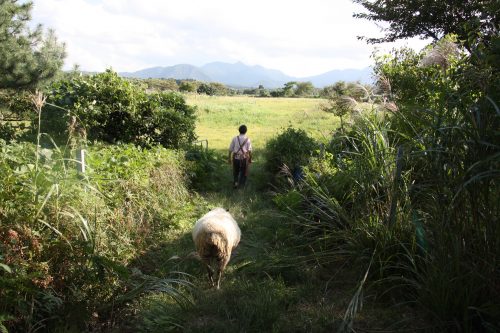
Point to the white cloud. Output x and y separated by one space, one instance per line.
298 37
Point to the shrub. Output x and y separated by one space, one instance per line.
291 148
263 93
7 132
212 89
166 119
105 107
206 89
352 182
188 86
355 90
16 110
17 103
341 106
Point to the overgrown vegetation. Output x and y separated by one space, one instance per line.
108 108
204 163
398 206
67 238
410 193
102 107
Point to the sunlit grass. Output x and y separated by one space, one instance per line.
220 116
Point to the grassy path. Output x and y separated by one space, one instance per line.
262 290
265 289
269 286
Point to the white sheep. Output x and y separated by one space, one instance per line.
215 236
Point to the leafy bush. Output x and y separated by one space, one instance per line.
355 90
341 106
17 103
108 108
206 89
188 86
16 109
166 119
292 148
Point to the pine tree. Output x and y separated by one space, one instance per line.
27 56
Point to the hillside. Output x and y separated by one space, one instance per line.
241 75
180 72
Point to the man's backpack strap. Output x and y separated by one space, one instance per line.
241 145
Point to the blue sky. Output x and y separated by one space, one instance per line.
300 38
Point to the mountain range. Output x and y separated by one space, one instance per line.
240 75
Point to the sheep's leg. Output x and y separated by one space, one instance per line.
222 263
210 274
219 275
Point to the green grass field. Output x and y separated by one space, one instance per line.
220 116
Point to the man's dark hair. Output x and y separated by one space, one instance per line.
242 129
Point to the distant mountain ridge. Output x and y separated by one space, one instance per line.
182 71
241 75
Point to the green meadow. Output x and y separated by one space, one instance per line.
220 116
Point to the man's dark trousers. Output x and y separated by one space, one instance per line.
239 171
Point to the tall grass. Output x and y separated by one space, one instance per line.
423 223
411 195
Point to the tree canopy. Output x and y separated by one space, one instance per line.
432 19
27 56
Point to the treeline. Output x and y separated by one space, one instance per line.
289 89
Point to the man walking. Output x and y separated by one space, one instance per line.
240 153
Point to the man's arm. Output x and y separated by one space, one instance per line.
231 147
249 151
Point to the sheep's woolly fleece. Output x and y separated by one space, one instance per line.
215 236
217 221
